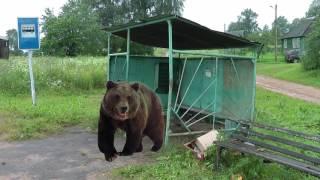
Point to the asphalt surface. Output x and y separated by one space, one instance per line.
71 155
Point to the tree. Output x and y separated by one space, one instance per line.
312 58
75 31
282 24
247 22
12 35
113 12
314 9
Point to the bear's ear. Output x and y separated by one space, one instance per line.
135 86
111 84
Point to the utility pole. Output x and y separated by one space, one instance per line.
276 32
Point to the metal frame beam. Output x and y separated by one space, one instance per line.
128 54
170 56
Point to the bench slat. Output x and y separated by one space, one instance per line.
281 140
283 130
278 149
239 146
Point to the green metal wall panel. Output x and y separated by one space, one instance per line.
142 69
232 81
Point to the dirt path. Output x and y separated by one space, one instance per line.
71 155
299 91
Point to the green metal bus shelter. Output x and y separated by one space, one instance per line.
199 80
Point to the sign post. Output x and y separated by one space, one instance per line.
29 39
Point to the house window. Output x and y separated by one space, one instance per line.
285 44
296 43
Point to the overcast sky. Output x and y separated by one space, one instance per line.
211 13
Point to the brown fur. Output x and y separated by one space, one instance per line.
136 110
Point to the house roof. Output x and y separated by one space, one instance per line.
186 34
299 30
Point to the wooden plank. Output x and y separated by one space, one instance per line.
278 149
302 166
281 140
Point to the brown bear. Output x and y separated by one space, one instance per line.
133 108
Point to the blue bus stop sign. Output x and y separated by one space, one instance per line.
28 33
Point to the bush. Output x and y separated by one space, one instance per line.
312 58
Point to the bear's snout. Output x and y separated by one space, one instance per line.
123 109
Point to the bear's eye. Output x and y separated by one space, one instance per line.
117 96
129 98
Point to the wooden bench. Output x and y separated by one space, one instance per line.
274 144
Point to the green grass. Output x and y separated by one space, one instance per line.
270 58
52 113
290 72
52 73
272 108
68 90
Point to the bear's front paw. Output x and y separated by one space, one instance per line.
110 157
155 148
125 153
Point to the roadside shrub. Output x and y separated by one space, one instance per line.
312 59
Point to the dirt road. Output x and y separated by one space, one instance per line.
298 91
71 155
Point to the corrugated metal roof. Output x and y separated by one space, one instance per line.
299 30
186 34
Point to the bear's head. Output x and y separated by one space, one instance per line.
121 100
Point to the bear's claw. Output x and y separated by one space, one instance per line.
110 158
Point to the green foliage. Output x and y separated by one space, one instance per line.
114 12
75 31
12 35
314 9
247 22
51 73
282 25
312 59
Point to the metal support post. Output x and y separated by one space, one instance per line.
33 91
108 57
128 54
170 55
